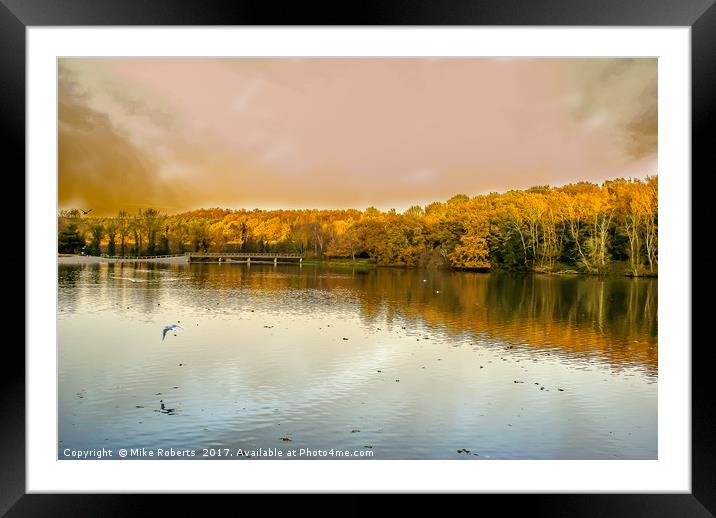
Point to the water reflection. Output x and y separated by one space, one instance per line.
423 363
605 319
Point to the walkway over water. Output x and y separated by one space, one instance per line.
188 257
244 257
99 259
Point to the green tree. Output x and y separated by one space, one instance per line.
70 241
151 223
112 227
97 233
123 230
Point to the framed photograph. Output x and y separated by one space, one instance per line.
422 254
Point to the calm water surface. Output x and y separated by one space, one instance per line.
407 364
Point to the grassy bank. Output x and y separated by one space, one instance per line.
612 269
342 263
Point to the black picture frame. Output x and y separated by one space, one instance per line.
700 15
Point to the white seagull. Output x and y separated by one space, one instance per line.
170 327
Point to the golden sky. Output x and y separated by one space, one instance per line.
181 133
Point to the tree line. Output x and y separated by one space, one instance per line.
612 227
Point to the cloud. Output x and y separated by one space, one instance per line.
179 134
98 165
619 97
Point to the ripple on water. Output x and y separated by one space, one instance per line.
263 356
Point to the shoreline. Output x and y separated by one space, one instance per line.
64 259
91 259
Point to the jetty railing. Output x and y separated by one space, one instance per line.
280 255
139 257
247 257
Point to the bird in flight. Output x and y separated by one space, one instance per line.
85 212
170 327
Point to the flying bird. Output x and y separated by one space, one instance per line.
85 212
170 327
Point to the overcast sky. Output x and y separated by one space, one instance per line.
179 134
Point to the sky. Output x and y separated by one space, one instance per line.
185 133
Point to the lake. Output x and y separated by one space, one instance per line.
379 363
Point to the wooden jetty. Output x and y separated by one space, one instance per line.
244 257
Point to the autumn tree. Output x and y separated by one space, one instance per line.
346 244
97 233
111 226
473 250
123 231
198 230
151 222
582 226
651 221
